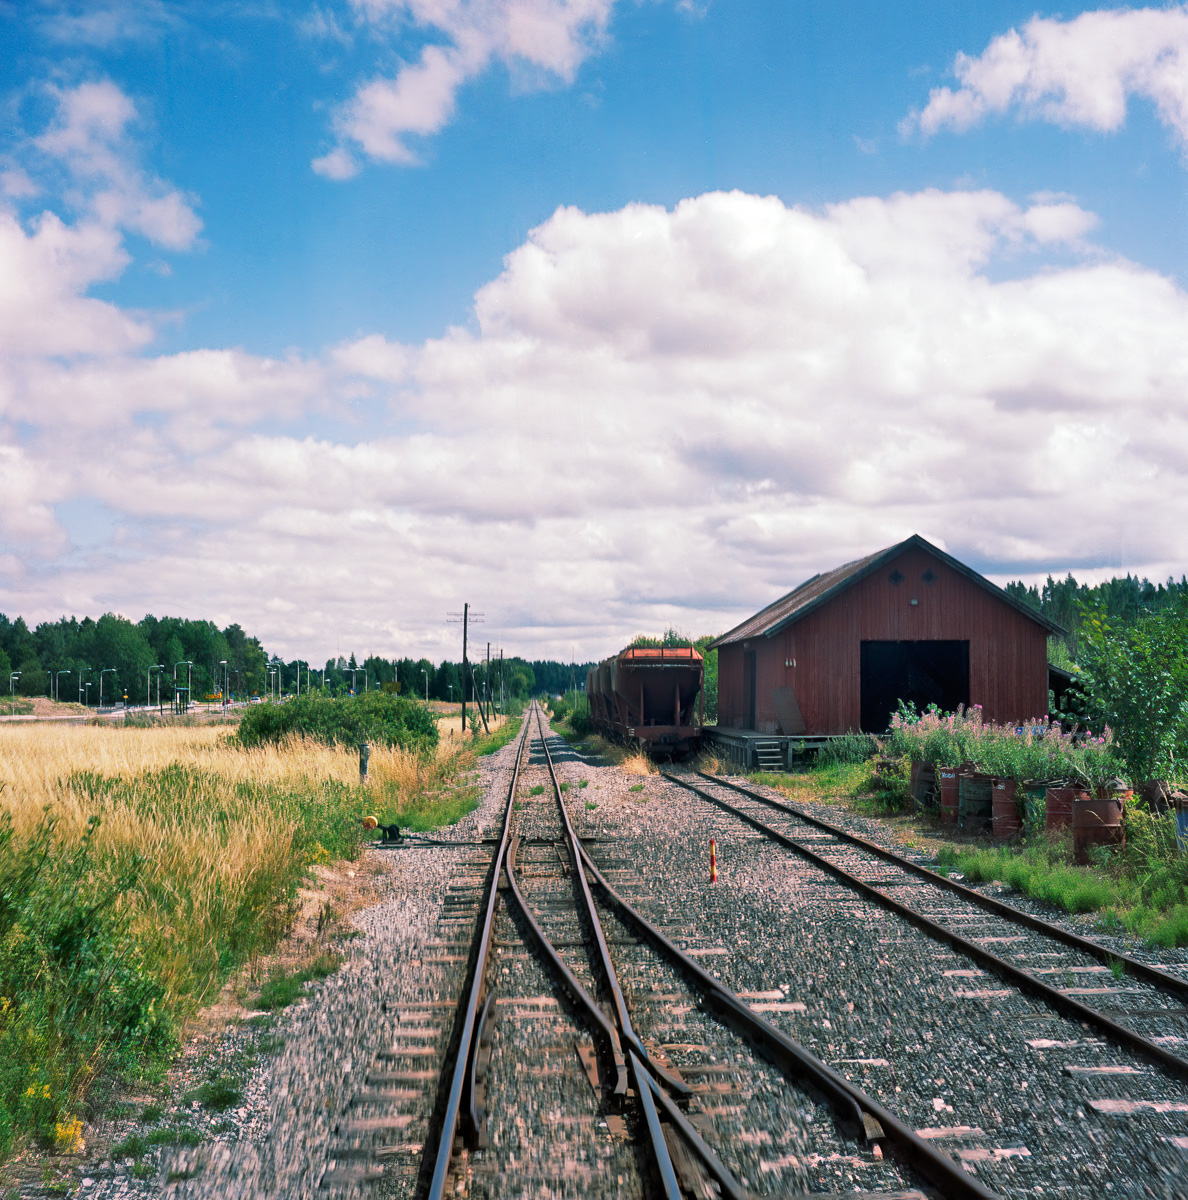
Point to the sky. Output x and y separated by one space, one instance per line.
603 316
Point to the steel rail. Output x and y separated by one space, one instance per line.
1144 971
604 956
1024 980
572 984
644 1068
461 1073
661 1156
793 1059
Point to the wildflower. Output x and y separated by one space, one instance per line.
68 1136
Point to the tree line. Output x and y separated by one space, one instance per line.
1123 602
137 661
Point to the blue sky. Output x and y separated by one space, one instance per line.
601 314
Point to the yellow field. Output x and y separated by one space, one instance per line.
214 834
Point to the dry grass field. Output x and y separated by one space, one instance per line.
139 867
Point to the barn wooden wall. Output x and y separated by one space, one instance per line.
1008 656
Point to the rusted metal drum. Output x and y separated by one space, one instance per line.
1006 815
923 784
1058 803
975 804
949 784
1096 821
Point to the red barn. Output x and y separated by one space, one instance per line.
906 623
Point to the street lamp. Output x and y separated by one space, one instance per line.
12 690
80 684
366 679
354 671
189 665
105 671
58 685
223 664
426 674
148 698
87 701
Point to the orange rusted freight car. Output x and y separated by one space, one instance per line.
651 696
906 623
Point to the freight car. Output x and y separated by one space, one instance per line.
650 696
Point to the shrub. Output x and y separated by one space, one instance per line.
372 717
1135 682
75 993
581 723
849 748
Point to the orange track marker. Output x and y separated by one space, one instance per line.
713 861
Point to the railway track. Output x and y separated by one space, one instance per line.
1115 1024
592 1056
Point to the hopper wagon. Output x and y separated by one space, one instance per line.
650 696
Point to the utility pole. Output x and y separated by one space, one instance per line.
465 617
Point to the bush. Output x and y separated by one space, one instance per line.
1134 682
849 748
76 995
372 717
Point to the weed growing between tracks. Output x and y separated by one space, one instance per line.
851 785
139 868
1141 888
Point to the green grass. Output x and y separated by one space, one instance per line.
133 1146
420 811
174 1137
583 783
566 786
537 790
283 989
506 732
636 787
590 805
218 1094
1141 889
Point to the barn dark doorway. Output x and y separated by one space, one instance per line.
749 686
921 673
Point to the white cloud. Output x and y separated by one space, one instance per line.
95 23
660 416
550 37
89 137
43 278
1075 73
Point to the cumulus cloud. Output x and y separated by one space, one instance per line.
44 275
1074 73
551 37
90 138
660 415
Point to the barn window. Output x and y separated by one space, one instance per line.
929 578
895 577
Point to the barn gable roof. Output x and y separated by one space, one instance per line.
820 589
